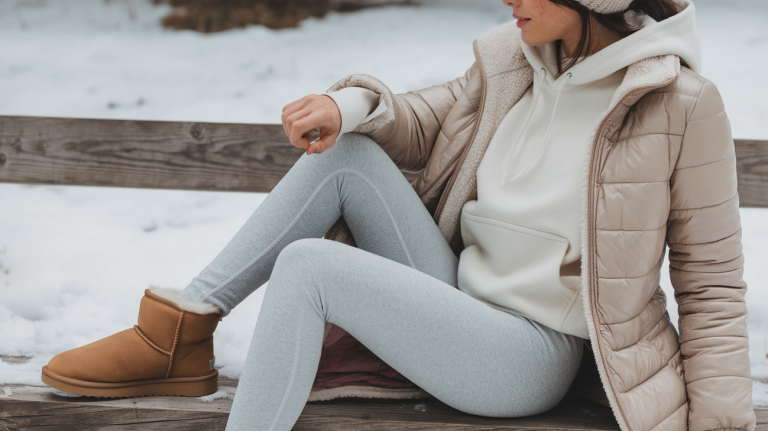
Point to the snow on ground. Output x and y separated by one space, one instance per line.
110 59
74 260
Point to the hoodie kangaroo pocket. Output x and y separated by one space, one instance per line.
514 267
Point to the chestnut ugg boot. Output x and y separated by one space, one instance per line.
170 352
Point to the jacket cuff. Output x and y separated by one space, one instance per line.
356 105
383 114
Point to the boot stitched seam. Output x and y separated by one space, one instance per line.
175 342
141 334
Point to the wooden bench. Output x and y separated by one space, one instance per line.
31 408
201 156
233 157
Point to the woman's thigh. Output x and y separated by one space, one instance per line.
469 355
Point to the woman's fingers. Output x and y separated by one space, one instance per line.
294 103
310 118
289 111
297 104
314 134
290 122
300 127
322 144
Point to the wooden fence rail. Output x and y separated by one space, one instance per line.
146 154
200 156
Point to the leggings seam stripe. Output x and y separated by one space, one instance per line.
280 237
293 375
391 217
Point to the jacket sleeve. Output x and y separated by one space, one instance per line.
356 105
409 126
706 267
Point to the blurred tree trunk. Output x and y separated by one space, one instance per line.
209 16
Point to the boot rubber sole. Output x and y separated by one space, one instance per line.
177 386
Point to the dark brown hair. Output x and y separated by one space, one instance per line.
616 22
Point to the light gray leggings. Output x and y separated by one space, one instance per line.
396 294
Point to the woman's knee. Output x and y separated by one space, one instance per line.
356 142
302 255
307 268
306 261
295 268
353 149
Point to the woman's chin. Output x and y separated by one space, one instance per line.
531 39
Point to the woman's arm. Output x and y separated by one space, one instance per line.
408 127
405 125
706 267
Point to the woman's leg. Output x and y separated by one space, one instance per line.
354 178
467 354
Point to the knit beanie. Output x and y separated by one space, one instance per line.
606 6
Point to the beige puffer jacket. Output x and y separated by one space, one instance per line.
661 172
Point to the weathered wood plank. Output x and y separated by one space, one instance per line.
147 154
355 414
39 408
762 420
30 408
752 169
32 415
200 156
341 415
66 414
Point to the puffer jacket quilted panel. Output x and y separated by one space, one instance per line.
661 173
642 247
623 298
623 334
641 406
706 267
635 366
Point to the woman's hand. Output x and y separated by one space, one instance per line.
309 118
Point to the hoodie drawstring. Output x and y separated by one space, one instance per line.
514 147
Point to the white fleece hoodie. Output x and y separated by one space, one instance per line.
522 235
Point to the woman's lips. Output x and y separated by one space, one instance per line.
521 21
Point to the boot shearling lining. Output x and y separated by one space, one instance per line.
186 305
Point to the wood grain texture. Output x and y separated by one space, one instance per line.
752 169
52 412
32 408
201 156
38 408
31 415
355 414
762 420
146 154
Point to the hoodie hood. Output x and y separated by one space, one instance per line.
676 35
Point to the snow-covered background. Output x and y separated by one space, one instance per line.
74 261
